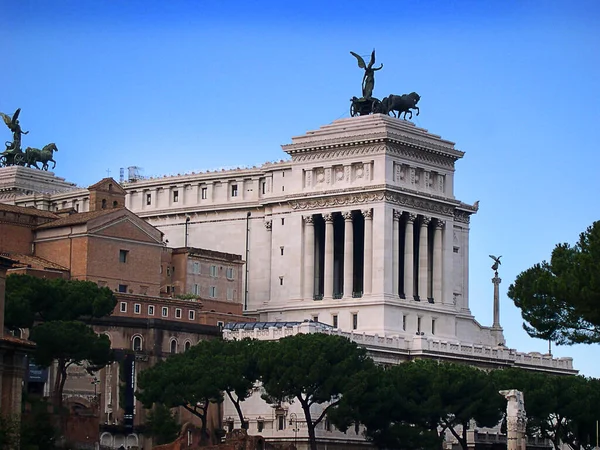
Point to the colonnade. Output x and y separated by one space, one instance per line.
338 255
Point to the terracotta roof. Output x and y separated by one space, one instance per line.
79 218
35 262
27 210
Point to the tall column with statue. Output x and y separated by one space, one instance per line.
497 331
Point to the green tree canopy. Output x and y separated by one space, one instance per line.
162 425
30 299
409 406
56 312
560 299
312 369
559 408
68 343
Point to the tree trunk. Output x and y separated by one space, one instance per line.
238 408
310 426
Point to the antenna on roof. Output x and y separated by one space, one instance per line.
134 174
121 174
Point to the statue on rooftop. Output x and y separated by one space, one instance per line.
368 82
14 155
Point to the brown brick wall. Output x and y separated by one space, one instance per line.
140 273
15 238
57 251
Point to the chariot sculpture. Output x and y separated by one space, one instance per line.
14 155
367 104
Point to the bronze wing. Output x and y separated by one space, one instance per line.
372 59
361 62
7 120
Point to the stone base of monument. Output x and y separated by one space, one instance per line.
18 180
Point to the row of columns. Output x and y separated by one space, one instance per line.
423 282
309 255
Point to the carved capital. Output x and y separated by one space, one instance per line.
439 224
328 217
367 213
308 220
425 221
397 214
410 217
269 225
347 215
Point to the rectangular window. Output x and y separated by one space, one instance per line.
168 271
196 267
418 325
234 190
355 321
191 314
123 288
150 310
281 249
165 311
334 321
263 187
260 426
137 308
123 306
123 255
403 322
175 196
280 281
220 324
212 292
432 326
148 199
168 289
204 193
281 422
178 313
229 273
315 318
196 289
213 271
229 293
282 221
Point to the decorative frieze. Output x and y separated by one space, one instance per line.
462 216
268 224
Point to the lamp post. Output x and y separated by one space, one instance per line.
294 422
187 223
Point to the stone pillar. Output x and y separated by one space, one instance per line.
409 257
348 254
328 282
496 280
437 261
309 257
516 420
423 259
368 254
396 253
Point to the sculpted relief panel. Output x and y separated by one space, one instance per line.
419 179
337 176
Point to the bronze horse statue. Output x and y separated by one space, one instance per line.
35 155
401 104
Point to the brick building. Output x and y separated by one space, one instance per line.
113 247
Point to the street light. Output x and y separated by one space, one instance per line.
294 422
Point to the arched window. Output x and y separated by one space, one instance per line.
103 203
115 204
137 344
173 346
188 344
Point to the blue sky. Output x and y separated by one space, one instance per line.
176 86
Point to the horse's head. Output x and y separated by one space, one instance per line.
416 97
50 147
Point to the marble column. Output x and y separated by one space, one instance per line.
269 262
309 257
328 291
423 258
396 253
348 254
409 257
368 254
437 261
